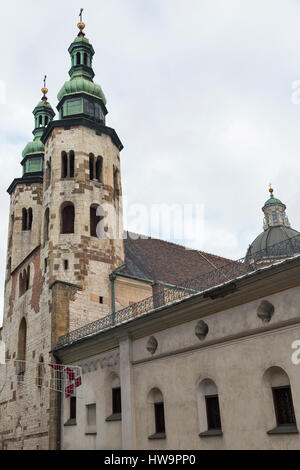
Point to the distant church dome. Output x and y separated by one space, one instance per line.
278 240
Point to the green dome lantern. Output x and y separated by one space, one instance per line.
33 153
80 96
278 241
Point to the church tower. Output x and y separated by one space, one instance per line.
82 197
65 239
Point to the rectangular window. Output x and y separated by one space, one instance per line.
66 264
284 407
159 418
116 401
213 412
100 300
73 408
91 427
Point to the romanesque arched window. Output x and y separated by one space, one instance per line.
67 164
92 165
67 218
85 58
78 58
72 163
209 408
24 281
24 219
64 165
95 165
21 284
21 354
30 216
116 182
27 278
99 165
40 372
156 414
22 340
278 388
27 217
113 397
46 225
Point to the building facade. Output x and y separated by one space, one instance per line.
173 343
211 371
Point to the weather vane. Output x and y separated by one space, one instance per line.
45 78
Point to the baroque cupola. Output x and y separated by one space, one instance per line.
33 153
278 240
80 96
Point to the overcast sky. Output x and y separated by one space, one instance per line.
199 91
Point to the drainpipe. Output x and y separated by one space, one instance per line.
112 279
58 430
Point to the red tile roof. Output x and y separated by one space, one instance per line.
151 258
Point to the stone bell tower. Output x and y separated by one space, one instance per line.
24 402
81 198
65 239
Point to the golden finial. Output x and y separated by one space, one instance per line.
81 24
44 90
271 190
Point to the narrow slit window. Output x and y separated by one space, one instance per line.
30 217
73 407
64 165
99 165
24 219
159 418
116 400
72 164
91 164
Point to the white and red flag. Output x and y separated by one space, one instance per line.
72 382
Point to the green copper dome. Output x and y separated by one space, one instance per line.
33 153
33 147
272 200
81 85
80 97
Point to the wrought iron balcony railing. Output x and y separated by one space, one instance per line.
164 295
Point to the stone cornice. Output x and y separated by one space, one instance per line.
28 180
82 121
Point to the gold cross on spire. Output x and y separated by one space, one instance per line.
44 89
81 24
